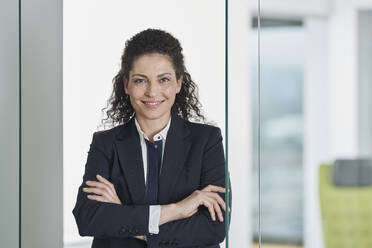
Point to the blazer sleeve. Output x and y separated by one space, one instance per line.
200 229
101 219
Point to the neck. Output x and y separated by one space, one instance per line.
152 127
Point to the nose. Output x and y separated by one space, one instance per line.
152 89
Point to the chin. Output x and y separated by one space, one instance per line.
152 116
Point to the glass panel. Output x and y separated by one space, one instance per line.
92 57
9 126
281 132
242 76
315 134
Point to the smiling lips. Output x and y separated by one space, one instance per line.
152 104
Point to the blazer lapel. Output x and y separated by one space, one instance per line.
175 153
130 156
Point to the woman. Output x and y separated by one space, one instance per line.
156 179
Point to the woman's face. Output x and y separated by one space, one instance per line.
152 86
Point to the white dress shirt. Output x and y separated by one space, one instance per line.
155 210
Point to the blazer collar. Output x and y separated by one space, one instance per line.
162 133
129 151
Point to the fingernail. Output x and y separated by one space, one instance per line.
98 175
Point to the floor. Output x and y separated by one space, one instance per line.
88 245
275 246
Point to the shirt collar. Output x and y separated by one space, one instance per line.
161 135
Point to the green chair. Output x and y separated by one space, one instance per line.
346 213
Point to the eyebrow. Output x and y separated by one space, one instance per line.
141 75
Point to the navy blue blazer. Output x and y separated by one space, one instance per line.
193 158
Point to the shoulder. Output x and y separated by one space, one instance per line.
204 131
107 136
104 140
205 137
109 132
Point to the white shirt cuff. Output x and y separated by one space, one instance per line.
154 218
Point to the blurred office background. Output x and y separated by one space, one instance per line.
315 132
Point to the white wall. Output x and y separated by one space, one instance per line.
240 115
316 128
343 79
364 79
94 36
298 8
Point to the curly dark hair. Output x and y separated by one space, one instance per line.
186 103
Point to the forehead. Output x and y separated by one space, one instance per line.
152 63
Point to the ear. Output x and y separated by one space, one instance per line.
179 84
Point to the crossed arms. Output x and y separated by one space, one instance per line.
192 221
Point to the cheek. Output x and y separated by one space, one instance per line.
170 92
135 92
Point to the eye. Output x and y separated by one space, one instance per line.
138 80
165 79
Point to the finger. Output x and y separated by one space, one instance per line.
94 190
214 188
216 206
209 205
103 190
98 191
93 183
98 198
207 202
219 199
218 210
104 180
101 186
98 184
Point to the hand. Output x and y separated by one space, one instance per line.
140 237
207 197
104 190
